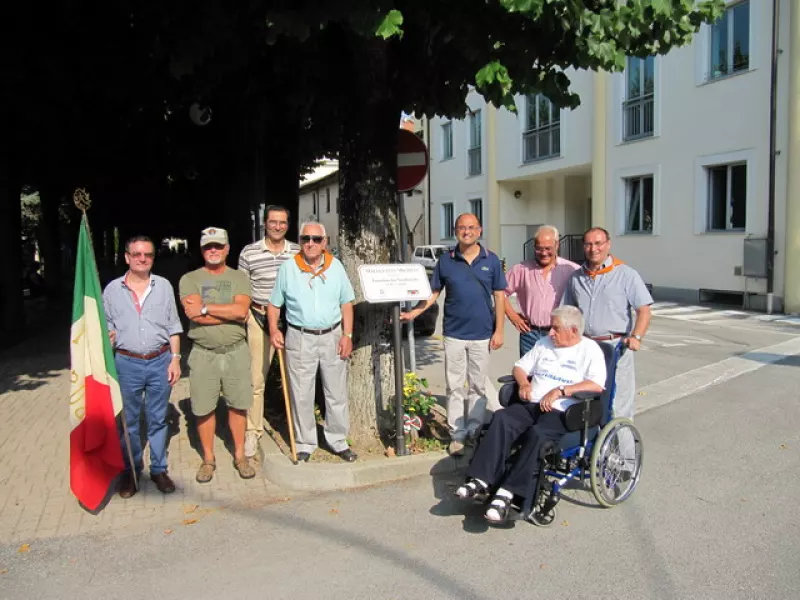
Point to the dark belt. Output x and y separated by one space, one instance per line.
148 356
315 331
259 306
605 338
543 328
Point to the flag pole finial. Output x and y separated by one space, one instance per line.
81 200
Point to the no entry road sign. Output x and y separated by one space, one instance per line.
412 160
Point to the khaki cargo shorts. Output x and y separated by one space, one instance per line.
225 371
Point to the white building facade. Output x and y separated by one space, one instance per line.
672 157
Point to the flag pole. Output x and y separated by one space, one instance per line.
83 203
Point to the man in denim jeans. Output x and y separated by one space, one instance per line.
473 325
145 331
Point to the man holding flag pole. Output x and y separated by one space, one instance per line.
95 399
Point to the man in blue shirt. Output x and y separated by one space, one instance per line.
145 331
473 325
319 313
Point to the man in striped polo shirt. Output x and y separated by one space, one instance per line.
261 261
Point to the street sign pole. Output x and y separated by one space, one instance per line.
399 411
401 209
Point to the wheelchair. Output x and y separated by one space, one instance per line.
602 450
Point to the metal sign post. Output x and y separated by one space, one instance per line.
401 209
395 283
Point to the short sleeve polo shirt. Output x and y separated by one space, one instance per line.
469 288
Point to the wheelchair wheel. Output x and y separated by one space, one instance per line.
616 462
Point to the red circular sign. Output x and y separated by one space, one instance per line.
412 160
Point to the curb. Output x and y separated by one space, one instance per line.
323 477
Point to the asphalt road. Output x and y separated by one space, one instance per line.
714 516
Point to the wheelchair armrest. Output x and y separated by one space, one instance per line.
506 379
587 395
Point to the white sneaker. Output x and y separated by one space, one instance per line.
250 444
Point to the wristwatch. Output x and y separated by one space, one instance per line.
350 335
563 390
176 355
636 336
204 310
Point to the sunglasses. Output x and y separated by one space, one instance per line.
213 247
317 239
142 254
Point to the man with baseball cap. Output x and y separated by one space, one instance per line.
216 300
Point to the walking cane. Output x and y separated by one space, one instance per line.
289 420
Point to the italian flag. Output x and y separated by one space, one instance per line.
95 456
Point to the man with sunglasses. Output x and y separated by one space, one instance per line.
539 285
608 291
145 331
473 325
260 261
318 298
216 300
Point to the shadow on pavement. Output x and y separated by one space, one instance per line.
36 360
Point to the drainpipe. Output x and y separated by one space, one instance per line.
773 110
430 160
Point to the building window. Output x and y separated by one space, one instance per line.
476 208
727 197
328 199
474 150
447 140
542 135
448 221
639 204
730 41
315 204
638 108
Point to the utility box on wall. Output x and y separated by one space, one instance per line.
756 255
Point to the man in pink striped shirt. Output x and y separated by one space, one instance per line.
539 285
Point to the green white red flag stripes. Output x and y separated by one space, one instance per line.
94 399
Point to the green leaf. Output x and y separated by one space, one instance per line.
390 26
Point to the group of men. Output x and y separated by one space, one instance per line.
236 319
298 299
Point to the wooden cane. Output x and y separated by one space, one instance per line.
289 420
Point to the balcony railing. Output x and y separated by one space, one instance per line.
544 142
638 116
474 161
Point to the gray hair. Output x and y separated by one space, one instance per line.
552 229
317 223
570 316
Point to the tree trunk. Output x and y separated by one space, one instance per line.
367 230
12 305
50 240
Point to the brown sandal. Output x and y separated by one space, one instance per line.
206 471
246 470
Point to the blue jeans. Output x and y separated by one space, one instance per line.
144 384
528 340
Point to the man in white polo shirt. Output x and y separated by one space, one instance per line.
261 261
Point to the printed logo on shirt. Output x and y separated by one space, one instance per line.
484 268
570 364
219 292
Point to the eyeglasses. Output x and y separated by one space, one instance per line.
149 255
468 228
543 249
213 247
317 239
595 244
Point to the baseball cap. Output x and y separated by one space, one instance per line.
213 235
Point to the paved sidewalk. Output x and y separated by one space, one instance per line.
35 499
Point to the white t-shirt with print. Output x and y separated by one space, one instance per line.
551 366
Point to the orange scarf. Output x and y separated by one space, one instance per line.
327 261
614 262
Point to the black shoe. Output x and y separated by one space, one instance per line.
303 456
163 483
347 455
126 486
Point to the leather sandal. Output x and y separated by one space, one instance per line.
246 470
206 471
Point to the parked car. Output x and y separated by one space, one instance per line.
425 324
428 255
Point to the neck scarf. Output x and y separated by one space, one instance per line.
602 271
327 260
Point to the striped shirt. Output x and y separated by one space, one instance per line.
261 267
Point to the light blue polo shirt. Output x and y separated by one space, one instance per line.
313 303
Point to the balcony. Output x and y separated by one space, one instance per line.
638 117
474 161
541 143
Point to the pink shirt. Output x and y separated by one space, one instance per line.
539 294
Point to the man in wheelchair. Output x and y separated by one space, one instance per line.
557 367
